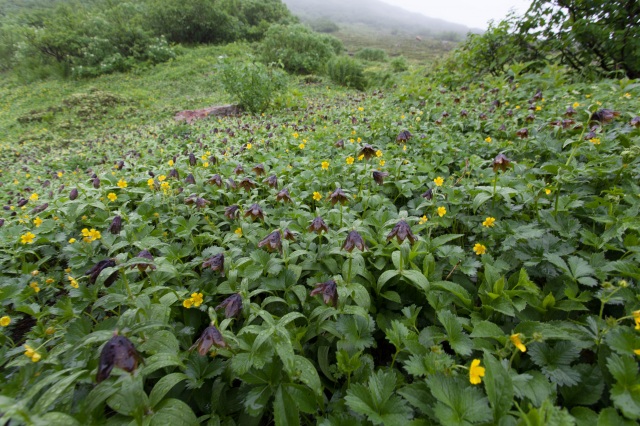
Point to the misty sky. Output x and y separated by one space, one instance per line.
472 13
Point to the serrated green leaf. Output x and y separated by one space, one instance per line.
164 385
285 409
459 341
499 388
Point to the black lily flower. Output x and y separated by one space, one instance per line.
501 162
73 194
215 179
402 231
339 144
318 226
119 165
378 177
329 292
192 159
95 271
215 263
523 133
283 195
247 184
354 240
117 352
173 173
96 183
605 115
272 181
255 211
428 194
258 169
288 235
272 242
239 169
338 196
464 113
635 121
22 202
404 136
209 337
198 201
530 118
231 184
232 212
570 111
40 208
145 254
368 151
190 179
116 225
232 305
1 223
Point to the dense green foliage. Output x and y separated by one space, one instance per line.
298 49
347 72
372 54
252 84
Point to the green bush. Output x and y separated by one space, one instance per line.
399 64
253 84
324 25
347 72
298 49
372 54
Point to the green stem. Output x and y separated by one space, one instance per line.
493 197
349 272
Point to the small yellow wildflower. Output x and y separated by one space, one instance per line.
438 181
515 339
317 196
360 109
197 299
479 249
442 211
162 178
27 238
627 95
112 197
636 318
488 139
360 157
476 372
72 240
151 183
489 222
5 321
350 160
49 281
538 108
37 222
187 303
423 220
595 141
404 147
164 186
325 165
249 146
382 163
547 191
238 232
34 197
301 146
576 104
31 353
122 183
295 135
34 286
378 153
170 163
60 174
205 164
72 282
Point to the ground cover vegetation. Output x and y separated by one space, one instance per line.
452 248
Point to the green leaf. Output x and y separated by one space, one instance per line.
589 389
458 402
56 419
626 392
308 374
162 341
499 388
417 278
609 416
554 361
459 341
161 360
487 329
130 400
164 385
397 334
456 289
99 394
54 392
285 409
532 385
385 277
174 412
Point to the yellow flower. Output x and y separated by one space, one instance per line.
49 281
595 141
317 196
295 135
162 178
517 106
249 146
627 95
359 140
37 222
170 163
378 153
479 249
113 197
576 104
438 181
238 232
188 303
197 299
34 197
350 160
360 157
5 321
205 164
84 217
476 372
36 357
635 351
90 235
151 183
164 186
122 183
636 318
382 163
72 282
489 222
28 351
404 147
34 286
442 211
27 238
325 165
538 108
360 109
488 139
60 174
301 146
423 220
515 339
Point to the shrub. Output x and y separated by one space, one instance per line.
324 25
347 72
399 64
253 84
297 48
372 54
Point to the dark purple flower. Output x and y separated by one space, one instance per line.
318 226
258 169
198 201
209 337
192 159
95 271
329 292
272 242
238 170
464 113
232 305
255 211
635 121
1 223
231 184
119 165
340 144
378 177
354 240
215 179
232 212
272 181
116 225
288 235
283 195
368 151
144 254
40 208
402 231
96 183
338 196
215 263
117 352
22 202
501 162
404 136
428 194
190 179
570 112
523 133
247 184
605 115
73 194
173 173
